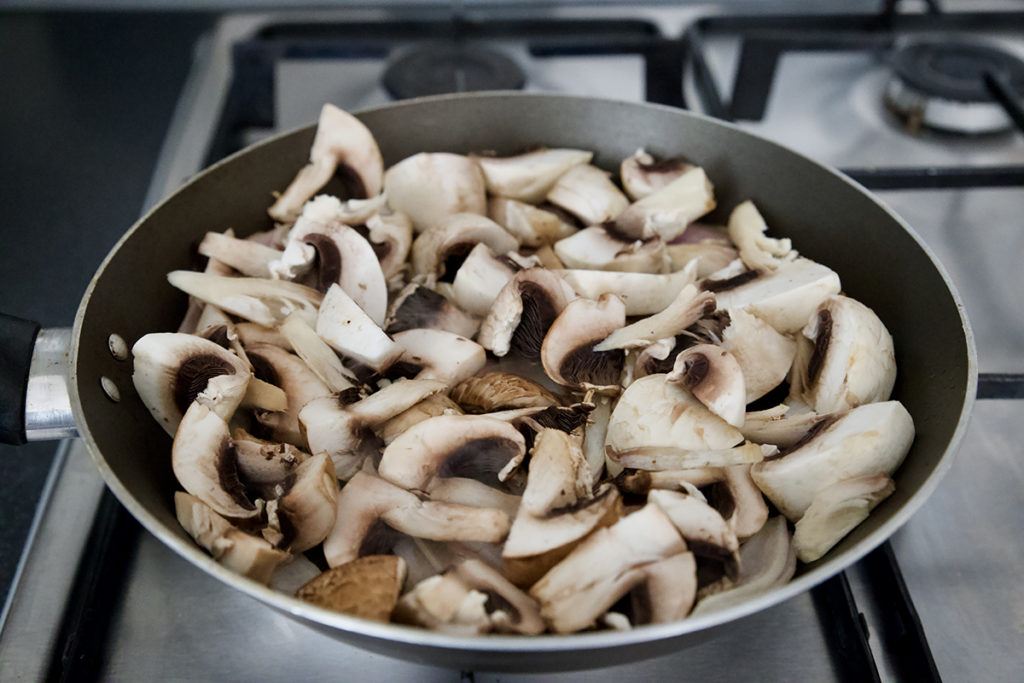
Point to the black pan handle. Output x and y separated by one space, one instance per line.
17 341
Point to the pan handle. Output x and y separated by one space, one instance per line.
34 403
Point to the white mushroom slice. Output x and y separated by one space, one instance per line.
254 333
588 193
454 236
706 532
784 298
262 462
306 506
204 464
343 145
195 306
529 177
667 212
661 457
767 561
714 377
740 501
643 173
495 391
317 354
654 358
598 248
642 482
367 500
452 446
688 307
710 255
251 259
473 493
170 369
514 610
667 592
351 332
593 437
441 355
764 354
424 410
300 384
847 358
238 551
867 440
430 187
536 544
417 306
758 252
643 293
480 278
392 236
779 426
567 353
533 226
835 511
444 603
523 313
559 475
266 302
604 567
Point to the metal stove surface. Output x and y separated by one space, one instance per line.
959 554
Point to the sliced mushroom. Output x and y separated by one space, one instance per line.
351 332
781 426
509 609
644 173
280 368
317 354
867 440
710 255
444 603
594 435
495 391
667 591
765 355
261 462
559 475
529 177
254 333
249 258
419 307
714 377
391 234
567 353
473 493
738 499
643 293
851 362
440 354
523 313
343 146
430 407
588 193
758 252
604 567
367 501
430 187
598 248
366 587
480 279
454 237
688 307
835 511
304 512
668 211
240 552
707 533
533 226
472 446
266 302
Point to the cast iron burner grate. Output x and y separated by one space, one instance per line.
437 68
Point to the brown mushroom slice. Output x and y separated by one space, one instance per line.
835 511
559 476
529 177
599 248
275 365
266 302
444 603
536 544
533 226
765 355
481 278
509 609
454 237
317 354
667 592
430 187
643 293
567 353
261 462
758 252
171 368
588 193
417 306
643 173
240 552
451 446
867 440
342 146
367 587
707 533
523 312
441 355
368 500
304 512
668 211
710 255
847 358
391 234
715 379
351 332
429 407
604 567
495 391
476 494
249 258
689 306
767 561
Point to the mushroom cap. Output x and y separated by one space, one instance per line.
643 293
668 211
366 587
714 377
643 173
523 312
533 226
567 353
529 177
456 235
442 355
430 187
835 511
588 193
598 248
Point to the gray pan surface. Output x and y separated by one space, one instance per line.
830 219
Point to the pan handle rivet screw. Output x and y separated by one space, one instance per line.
118 347
110 389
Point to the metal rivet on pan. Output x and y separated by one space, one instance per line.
110 389
118 346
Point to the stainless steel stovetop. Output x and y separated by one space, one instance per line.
959 555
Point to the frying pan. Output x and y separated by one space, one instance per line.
831 219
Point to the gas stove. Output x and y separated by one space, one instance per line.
98 597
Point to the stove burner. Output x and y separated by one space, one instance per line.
942 86
438 68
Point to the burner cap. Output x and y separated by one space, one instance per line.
438 68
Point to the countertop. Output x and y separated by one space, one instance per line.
87 98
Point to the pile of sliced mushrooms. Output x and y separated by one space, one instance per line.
518 395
